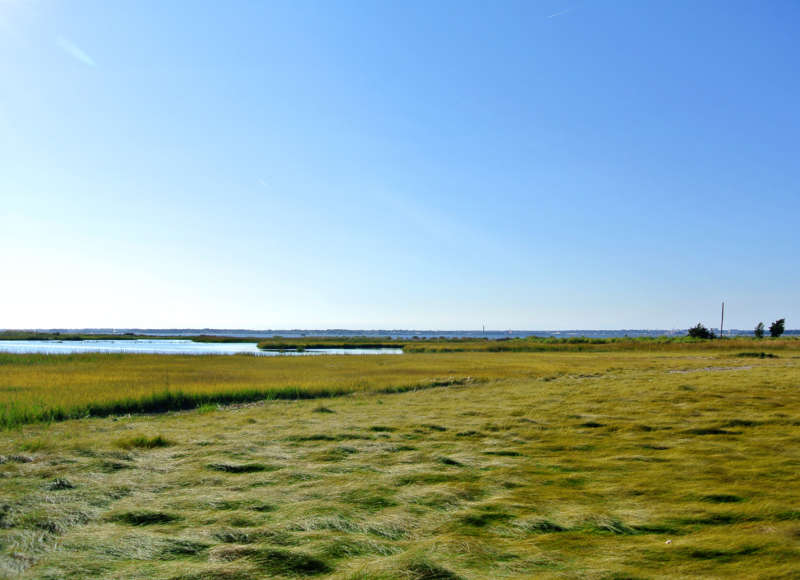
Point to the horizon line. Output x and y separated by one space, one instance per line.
429 330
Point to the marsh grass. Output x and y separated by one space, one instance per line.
309 342
143 442
47 388
584 344
287 563
495 477
50 388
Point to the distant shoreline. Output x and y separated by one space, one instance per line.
251 335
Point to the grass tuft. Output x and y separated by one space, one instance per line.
610 526
143 442
483 519
712 431
741 423
240 468
182 547
433 427
350 548
503 453
216 574
722 555
371 499
540 526
335 454
424 570
289 563
143 518
722 498
60 483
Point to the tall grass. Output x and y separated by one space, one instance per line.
568 465
611 344
36 335
44 388
282 343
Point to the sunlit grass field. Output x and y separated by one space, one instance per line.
39 387
53 387
614 344
624 464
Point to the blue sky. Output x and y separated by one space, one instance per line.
532 165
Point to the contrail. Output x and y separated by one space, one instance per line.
74 51
555 14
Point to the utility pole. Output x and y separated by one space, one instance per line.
722 319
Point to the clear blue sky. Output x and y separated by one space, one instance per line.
535 165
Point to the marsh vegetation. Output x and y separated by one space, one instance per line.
671 462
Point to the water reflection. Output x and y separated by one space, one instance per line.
170 346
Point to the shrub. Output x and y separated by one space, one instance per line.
701 331
777 328
759 331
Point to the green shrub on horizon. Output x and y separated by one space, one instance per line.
777 328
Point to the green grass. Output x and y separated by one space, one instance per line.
545 465
306 342
36 335
613 344
46 388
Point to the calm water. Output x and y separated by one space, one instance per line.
169 347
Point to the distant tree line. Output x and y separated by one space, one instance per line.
775 330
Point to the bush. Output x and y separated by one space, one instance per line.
759 331
777 328
701 331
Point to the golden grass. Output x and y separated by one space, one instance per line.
41 387
615 344
561 465
54 387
